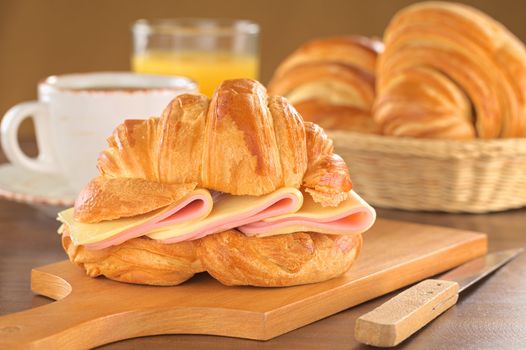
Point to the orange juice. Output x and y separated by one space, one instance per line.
207 69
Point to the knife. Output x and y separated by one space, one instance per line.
395 320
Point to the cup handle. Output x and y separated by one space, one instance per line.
44 162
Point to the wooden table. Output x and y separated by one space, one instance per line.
490 315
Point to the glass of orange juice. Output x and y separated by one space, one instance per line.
205 50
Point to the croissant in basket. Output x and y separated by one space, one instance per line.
450 71
331 82
238 186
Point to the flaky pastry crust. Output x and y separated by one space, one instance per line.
230 257
242 142
277 261
338 116
113 198
327 172
450 71
331 82
139 260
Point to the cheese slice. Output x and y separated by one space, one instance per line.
231 212
353 215
196 206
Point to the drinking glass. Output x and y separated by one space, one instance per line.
205 50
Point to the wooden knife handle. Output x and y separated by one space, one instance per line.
395 320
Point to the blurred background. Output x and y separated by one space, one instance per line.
41 38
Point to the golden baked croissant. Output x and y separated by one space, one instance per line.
331 81
310 257
139 260
229 256
241 142
120 194
450 71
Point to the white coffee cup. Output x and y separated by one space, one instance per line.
75 114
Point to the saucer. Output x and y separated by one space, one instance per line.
25 186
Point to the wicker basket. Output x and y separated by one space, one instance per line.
453 176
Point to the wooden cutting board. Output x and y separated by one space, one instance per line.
92 312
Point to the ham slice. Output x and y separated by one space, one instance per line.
353 215
194 207
196 216
231 212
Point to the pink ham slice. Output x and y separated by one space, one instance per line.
280 205
194 207
191 208
356 218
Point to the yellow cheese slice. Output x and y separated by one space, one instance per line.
83 233
227 208
313 210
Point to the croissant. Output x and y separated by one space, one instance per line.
139 260
311 257
229 144
331 81
241 142
229 256
450 71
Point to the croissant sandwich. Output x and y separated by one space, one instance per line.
238 186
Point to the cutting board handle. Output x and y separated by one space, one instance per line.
53 326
